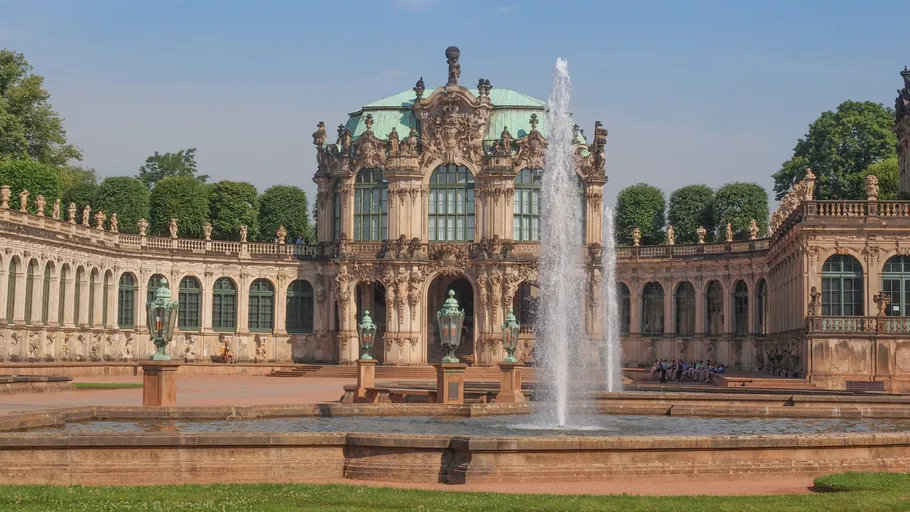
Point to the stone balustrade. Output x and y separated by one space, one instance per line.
861 325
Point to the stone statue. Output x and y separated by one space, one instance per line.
671 235
815 302
452 54
753 230
55 213
701 232
40 205
115 224
143 225
871 188
4 197
281 233
100 217
86 215
172 227
23 200
409 147
243 231
71 213
342 243
207 230
393 142
729 232
189 350
419 88
882 299
636 236
319 135
809 190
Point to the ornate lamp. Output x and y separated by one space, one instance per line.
450 320
510 337
162 318
367 334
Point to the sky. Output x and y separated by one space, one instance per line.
707 92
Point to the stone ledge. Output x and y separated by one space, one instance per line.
14 384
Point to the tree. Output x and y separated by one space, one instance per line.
33 176
183 197
232 204
29 127
314 225
690 207
738 204
126 196
640 206
160 166
283 205
839 147
83 194
888 177
78 185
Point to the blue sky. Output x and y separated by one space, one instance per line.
691 92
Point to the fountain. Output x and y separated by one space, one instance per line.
612 348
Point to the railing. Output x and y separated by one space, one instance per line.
859 325
843 209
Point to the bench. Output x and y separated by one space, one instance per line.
865 385
406 395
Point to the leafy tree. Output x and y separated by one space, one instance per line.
839 147
314 226
640 206
126 196
737 204
232 204
160 166
78 185
82 194
690 207
183 197
888 176
283 205
33 176
29 127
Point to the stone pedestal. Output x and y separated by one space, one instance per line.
366 378
510 383
450 383
159 383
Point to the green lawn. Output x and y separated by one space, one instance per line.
861 492
107 385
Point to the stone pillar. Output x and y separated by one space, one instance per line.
669 307
208 283
37 295
635 307
19 299
280 305
450 383
510 383
53 299
4 286
111 294
243 307
366 378
159 383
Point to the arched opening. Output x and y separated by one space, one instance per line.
46 293
262 306
451 205
761 308
436 296
11 289
526 206
371 206
652 309
300 308
30 277
224 305
714 309
625 308
740 308
372 297
525 304
842 286
126 301
189 304
896 283
685 309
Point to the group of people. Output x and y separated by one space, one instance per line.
678 370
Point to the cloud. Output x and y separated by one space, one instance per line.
413 5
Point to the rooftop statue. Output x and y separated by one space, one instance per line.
452 54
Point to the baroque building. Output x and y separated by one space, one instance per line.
438 189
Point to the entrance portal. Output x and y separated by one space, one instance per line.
437 295
371 297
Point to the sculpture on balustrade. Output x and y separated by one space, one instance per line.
243 232
172 227
701 232
815 302
55 212
729 233
636 236
40 205
115 224
671 235
143 225
100 217
23 200
207 231
86 215
802 191
282 234
882 300
4 197
753 230
342 244
871 188
71 213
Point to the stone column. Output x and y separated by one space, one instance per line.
19 299
111 291
510 383
669 307
159 383
450 383
635 307
279 327
53 299
727 308
37 295
4 287
82 319
243 299
205 298
366 378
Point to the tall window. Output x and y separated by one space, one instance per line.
77 295
224 305
189 304
740 308
714 309
11 290
761 308
451 216
30 290
262 300
336 209
896 283
154 283
842 286
126 301
685 308
299 307
46 296
625 308
526 206
652 309
371 206
61 301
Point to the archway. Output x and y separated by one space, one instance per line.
436 296
371 297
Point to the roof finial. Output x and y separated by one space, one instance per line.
368 121
534 122
452 54
419 88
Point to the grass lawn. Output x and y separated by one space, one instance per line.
867 492
107 385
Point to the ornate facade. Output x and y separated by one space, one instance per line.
432 190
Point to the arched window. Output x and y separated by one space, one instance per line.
299 307
336 209
842 286
11 290
625 308
224 305
262 301
451 214
108 286
896 283
526 206
77 296
652 309
126 301
740 308
371 206
761 308
46 296
93 284
61 300
189 304
685 309
30 277
714 309
155 282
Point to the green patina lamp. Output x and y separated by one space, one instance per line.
162 318
366 331
510 331
450 320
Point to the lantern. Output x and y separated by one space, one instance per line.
510 337
450 320
162 318
367 334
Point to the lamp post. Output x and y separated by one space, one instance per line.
366 365
162 317
450 321
366 331
510 331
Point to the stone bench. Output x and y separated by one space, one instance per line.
864 385
406 395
